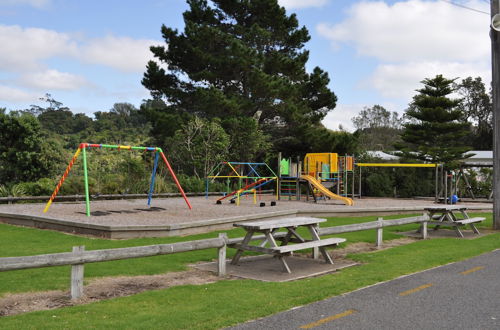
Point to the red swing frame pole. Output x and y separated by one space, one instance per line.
175 178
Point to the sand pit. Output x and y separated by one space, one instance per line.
171 216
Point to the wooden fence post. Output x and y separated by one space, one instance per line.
221 260
380 232
424 228
77 276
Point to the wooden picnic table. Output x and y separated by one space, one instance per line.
452 215
270 230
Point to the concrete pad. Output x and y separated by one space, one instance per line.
445 233
266 268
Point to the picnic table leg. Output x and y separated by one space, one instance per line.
286 268
291 230
441 218
458 231
265 241
315 253
245 242
315 237
287 237
474 229
281 258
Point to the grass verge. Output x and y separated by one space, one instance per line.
214 305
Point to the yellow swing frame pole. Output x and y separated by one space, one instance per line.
59 184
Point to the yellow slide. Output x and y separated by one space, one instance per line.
316 184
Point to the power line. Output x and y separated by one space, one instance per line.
465 7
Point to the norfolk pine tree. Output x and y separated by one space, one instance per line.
435 132
240 59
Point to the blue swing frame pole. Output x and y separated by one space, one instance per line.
153 175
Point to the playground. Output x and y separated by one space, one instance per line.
320 185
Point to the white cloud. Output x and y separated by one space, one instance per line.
413 30
23 49
9 94
342 115
25 52
401 80
33 3
296 4
414 40
53 80
122 53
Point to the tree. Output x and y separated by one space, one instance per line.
376 116
164 120
123 124
240 58
247 141
53 105
435 131
477 108
199 146
378 128
63 121
20 148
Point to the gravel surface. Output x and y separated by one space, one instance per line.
165 211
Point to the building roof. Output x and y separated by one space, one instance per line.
382 155
478 158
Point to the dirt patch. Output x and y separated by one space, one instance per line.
363 247
100 289
113 287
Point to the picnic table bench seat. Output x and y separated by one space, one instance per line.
459 222
470 220
308 245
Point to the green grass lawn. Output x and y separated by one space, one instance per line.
216 305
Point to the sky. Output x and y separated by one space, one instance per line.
91 54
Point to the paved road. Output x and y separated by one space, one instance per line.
463 295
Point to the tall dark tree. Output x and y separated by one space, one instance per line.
435 132
240 58
477 108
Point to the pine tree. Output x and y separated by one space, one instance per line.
435 132
240 59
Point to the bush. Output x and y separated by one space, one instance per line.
194 184
379 185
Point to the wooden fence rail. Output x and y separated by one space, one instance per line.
379 225
78 257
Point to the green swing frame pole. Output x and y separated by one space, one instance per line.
86 180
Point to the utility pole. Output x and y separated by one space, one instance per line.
495 67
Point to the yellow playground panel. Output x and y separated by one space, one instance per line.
316 163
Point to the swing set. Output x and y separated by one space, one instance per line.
82 149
